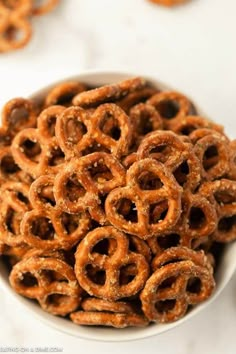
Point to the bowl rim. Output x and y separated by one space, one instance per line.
101 77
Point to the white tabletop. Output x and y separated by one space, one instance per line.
191 48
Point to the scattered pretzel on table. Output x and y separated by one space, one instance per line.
115 202
15 27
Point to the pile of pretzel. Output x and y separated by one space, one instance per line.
115 202
15 17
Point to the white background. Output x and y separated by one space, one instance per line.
192 48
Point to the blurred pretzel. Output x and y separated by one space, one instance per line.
168 2
44 7
145 119
172 107
15 34
62 94
222 194
15 202
213 151
134 98
109 93
19 114
117 320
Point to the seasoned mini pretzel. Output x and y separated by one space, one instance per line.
112 289
181 278
85 180
172 107
150 202
50 281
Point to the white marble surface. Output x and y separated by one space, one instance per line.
192 48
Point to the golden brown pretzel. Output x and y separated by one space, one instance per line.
149 186
62 94
80 132
36 151
22 7
83 183
117 320
213 151
174 285
50 281
172 107
47 227
222 194
168 2
15 34
110 264
18 114
15 202
46 6
145 119
175 153
109 93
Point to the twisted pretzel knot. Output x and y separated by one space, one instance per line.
232 169
14 198
111 264
15 28
174 286
212 150
62 94
50 281
150 202
15 31
85 181
134 98
37 151
222 194
81 132
172 107
145 119
176 154
108 313
47 227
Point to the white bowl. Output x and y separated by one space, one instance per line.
223 275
